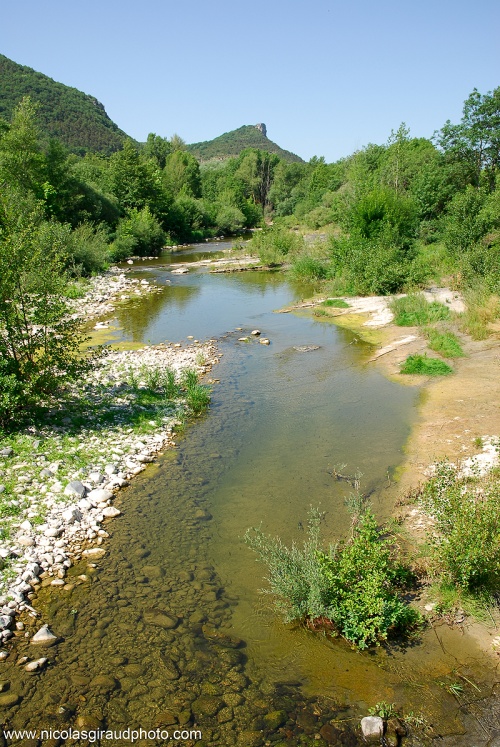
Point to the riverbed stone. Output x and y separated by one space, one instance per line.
75 487
153 571
88 721
330 734
9 699
161 619
111 512
26 541
222 639
207 705
170 669
250 739
274 719
99 495
72 515
37 665
372 728
44 637
104 683
94 553
7 451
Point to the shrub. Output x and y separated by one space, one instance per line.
88 250
309 268
414 311
39 340
274 244
353 588
422 365
139 233
466 547
229 219
372 265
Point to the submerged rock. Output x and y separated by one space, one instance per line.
161 619
372 728
44 637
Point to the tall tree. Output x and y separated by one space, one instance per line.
476 139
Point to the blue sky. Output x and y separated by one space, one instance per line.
327 77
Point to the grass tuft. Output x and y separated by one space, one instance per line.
444 343
482 309
414 311
425 366
337 303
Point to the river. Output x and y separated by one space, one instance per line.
281 419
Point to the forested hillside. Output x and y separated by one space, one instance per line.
234 142
79 121
394 217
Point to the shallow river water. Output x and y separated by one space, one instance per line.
170 629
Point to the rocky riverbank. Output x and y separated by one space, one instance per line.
102 292
59 478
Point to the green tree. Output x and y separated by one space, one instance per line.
39 339
157 148
475 141
131 179
182 174
22 163
255 170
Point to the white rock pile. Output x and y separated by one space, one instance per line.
63 511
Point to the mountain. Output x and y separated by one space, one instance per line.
232 143
75 118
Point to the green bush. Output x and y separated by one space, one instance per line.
466 547
274 244
364 579
229 219
482 308
353 588
138 234
372 265
88 250
414 311
309 268
422 365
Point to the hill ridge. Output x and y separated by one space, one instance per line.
231 144
75 118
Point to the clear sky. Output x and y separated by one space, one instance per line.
325 76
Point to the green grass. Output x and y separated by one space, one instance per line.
483 308
309 268
425 366
337 303
414 311
444 343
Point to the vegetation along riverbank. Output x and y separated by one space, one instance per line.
400 242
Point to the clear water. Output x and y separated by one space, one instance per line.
280 420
